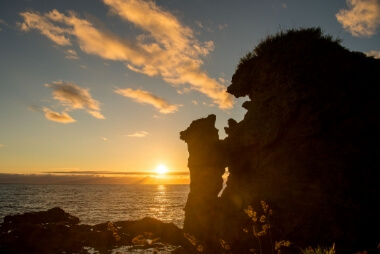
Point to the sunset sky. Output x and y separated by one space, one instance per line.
107 85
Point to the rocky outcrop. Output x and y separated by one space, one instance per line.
207 165
55 231
53 215
309 146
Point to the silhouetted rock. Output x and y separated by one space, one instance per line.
309 145
54 215
206 166
55 231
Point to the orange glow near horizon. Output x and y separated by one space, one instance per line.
92 178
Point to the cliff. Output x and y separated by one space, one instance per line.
308 147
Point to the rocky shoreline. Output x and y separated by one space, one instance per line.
55 231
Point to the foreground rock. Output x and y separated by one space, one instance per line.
308 146
55 231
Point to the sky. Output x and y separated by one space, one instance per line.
103 87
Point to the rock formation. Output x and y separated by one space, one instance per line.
55 231
206 166
309 146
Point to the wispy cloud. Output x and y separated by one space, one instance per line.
223 80
361 18
221 27
71 54
167 49
203 27
2 22
145 97
138 134
57 117
43 23
72 96
1 145
374 53
198 23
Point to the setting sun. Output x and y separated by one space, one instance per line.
161 169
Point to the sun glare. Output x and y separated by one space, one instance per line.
161 169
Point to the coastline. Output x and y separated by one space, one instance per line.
56 231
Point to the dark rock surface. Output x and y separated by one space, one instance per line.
309 146
206 166
55 231
53 215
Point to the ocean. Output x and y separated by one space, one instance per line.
95 204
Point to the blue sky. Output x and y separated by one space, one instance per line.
108 85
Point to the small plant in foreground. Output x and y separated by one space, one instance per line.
145 239
319 250
225 245
193 240
262 228
111 227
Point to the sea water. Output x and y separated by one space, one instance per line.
95 204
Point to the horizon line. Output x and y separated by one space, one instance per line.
92 172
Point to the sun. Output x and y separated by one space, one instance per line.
161 169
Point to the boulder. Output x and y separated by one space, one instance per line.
53 215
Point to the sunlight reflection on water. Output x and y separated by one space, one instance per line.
95 204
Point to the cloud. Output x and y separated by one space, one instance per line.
1 145
4 24
362 18
72 97
145 97
58 117
71 54
167 48
138 134
374 53
35 108
198 23
223 80
33 20
221 27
